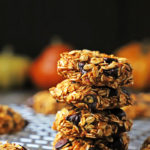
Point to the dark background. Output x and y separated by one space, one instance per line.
94 24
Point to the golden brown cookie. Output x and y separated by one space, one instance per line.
113 143
90 97
74 122
10 120
146 144
95 68
44 103
13 146
140 107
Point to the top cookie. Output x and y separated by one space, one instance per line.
95 68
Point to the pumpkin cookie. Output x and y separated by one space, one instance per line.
112 143
13 146
10 121
146 144
74 122
90 97
140 107
44 103
95 68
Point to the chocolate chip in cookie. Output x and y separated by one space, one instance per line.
111 72
75 119
109 60
61 143
81 66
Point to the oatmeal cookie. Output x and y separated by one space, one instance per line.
112 143
10 121
146 144
13 146
90 97
74 122
95 68
44 103
140 107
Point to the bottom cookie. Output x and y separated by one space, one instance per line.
146 144
116 143
13 146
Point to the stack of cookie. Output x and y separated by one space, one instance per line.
93 91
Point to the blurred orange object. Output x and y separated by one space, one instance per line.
140 62
140 107
43 71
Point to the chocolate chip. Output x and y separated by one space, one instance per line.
110 60
121 129
91 101
81 66
24 148
93 106
10 113
111 72
118 144
94 148
125 91
26 123
118 112
113 92
75 119
73 82
61 143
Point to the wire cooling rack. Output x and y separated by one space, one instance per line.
38 135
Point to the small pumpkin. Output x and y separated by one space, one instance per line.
13 69
139 59
43 71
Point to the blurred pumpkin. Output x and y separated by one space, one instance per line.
138 57
13 69
43 71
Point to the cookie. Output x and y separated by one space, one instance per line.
10 121
74 122
146 144
95 68
112 143
44 103
90 97
140 107
13 146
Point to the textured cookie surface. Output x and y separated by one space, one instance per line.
44 103
112 143
10 121
140 107
74 122
146 144
95 68
90 97
9 146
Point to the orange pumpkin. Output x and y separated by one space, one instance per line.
43 71
139 61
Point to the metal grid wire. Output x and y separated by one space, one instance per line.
38 135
